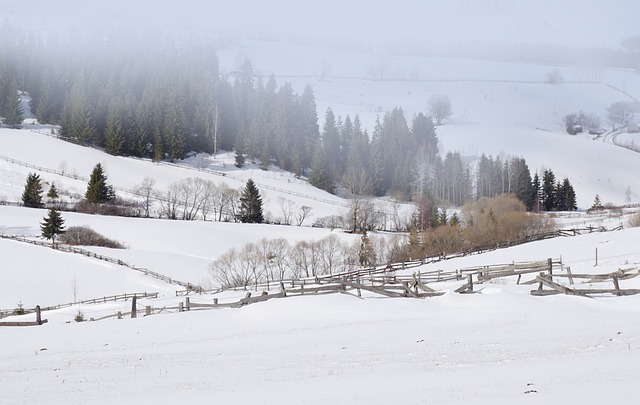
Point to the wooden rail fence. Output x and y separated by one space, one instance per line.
71 249
111 298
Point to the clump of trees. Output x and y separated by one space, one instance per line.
480 225
577 122
273 260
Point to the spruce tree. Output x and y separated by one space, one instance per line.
366 253
52 195
13 114
52 225
548 190
32 195
114 133
98 190
597 204
251 204
570 195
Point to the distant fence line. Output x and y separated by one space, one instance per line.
111 298
71 249
174 164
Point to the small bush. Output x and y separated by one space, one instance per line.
634 221
490 221
331 222
19 309
85 236
79 316
118 207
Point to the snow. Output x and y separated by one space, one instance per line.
498 346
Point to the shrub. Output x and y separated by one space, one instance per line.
331 222
634 221
85 236
490 221
19 309
118 207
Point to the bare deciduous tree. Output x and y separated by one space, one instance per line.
619 113
440 107
302 214
146 195
286 206
357 181
224 202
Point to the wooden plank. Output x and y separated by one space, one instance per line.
560 288
377 290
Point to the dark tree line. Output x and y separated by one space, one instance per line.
161 99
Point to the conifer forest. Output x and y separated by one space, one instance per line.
165 98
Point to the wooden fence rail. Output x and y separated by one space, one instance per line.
76 250
97 300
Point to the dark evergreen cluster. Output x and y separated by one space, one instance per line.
495 177
163 98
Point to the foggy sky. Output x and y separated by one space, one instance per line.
581 23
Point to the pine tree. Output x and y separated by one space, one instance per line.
158 146
32 195
570 196
366 254
52 225
174 129
548 190
239 158
114 133
251 204
534 198
13 114
597 204
52 195
98 191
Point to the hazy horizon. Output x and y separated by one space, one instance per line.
375 25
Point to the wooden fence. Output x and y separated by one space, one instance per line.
111 298
72 249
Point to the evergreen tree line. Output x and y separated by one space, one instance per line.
164 98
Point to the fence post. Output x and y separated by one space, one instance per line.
134 308
215 301
570 275
187 303
38 315
180 307
119 315
470 282
147 310
615 284
550 266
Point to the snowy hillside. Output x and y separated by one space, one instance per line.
499 108
492 342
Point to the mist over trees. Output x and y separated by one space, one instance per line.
164 98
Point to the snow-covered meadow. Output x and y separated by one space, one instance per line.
498 346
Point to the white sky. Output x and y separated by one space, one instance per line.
579 23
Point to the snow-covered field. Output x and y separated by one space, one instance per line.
498 346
